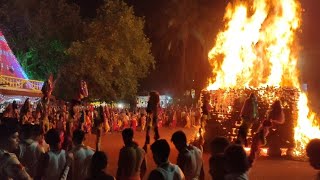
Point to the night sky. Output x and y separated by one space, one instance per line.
88 7
310 39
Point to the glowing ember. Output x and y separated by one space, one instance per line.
263 151
257 48
197 135
247 149
284 151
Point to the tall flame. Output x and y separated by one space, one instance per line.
258 47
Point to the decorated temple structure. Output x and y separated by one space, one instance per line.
14 83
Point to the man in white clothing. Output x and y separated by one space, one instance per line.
165 170
29 149
56 163
189 157
82 156
132 164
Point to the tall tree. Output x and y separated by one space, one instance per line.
39 31
113 57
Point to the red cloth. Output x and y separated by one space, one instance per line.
116 127
160 124
134 124
173 124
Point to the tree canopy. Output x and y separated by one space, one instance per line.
113 56
110 50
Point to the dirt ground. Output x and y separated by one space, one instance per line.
264 169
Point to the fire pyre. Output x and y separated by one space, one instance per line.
226 104
258 47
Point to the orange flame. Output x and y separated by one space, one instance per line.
258 47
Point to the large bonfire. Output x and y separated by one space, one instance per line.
258 47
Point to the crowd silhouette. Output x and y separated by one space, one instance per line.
50 146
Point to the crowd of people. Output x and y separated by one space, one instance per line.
29 153
112 119
48 143
174 116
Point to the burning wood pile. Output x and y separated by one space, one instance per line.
225 107
258 47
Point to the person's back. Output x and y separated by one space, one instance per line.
167 171
236 163
217 159
190 161
56 162
98 165
130 160
131 164
30 153
189 157
29 149
82 157
216 167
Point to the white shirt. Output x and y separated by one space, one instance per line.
190 162
167 171
56 165
130 161
30 152
81 163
